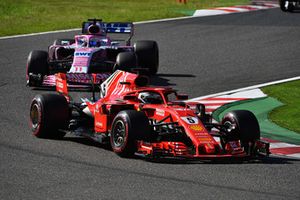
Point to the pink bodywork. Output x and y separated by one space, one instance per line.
82 56
83 52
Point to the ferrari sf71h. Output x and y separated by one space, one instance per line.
150 121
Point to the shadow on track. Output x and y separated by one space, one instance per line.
226 161
258 160
162 79
86 141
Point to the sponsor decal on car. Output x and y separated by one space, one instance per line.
190 120
99 124
82 54
86 78
196 127
160 112
204 139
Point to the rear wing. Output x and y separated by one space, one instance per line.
119 27
110 27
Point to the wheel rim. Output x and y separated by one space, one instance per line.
232 131
119 134
230 126
35 116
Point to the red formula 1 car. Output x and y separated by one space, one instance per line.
95 51
150 121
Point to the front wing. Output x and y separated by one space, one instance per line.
74 80
179 149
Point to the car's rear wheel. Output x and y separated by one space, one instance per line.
243 126
128 127
148 55
126 61
37 64
48 114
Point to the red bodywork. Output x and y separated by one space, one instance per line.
120 92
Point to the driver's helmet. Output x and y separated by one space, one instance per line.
150 98
95 42
82 42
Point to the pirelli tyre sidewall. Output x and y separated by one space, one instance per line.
128 127
48 114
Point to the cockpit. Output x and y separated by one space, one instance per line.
92 42
150 98
153 97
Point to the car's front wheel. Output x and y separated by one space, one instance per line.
128 127
243 126
37 64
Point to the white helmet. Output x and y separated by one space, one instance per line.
150 98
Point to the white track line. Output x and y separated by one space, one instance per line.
77 29
221 102
41 33
247 88
295 155
281 145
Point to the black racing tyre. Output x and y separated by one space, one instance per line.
244 126
48 114
128 127
148 55
290 7
126 61
63 41
37 63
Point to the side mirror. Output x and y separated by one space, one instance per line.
115 43
182 97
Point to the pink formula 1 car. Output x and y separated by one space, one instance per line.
149 121
93 53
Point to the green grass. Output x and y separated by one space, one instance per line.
28 16
288 115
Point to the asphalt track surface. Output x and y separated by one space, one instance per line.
198 56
